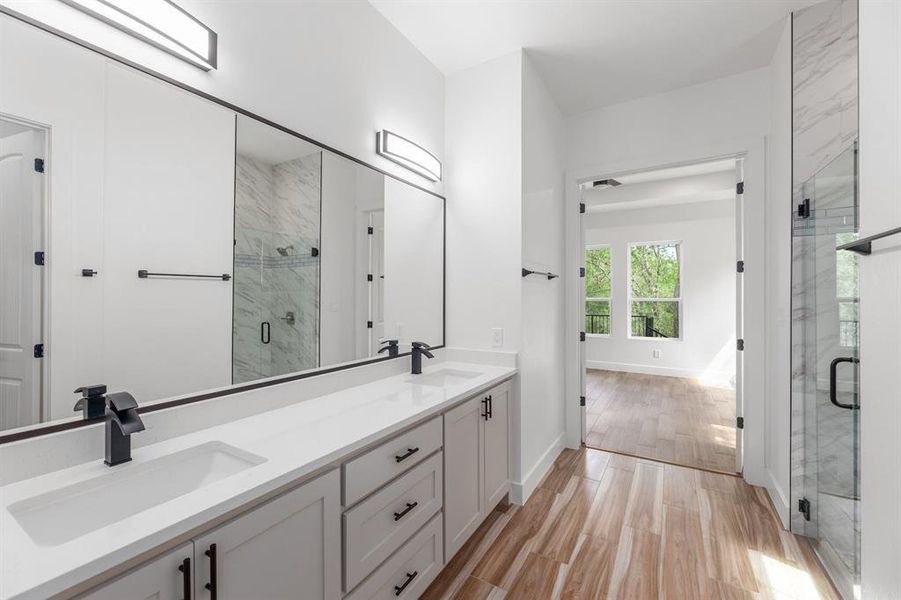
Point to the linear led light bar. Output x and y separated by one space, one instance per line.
160 23
407 154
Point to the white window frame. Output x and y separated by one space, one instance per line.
679 300
608 299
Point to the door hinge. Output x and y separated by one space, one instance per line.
369 277
368 324
39 350
740 422
40 258
581 336
740 266
581 271
369 230
581 400
581 208
804 508
39 165
314 251
804 209
740 187
740 344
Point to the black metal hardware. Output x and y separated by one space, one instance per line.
368 324
314 251
581 400
370 230
581 336
490 406
833 372
40 258
369 277
88 272
740 422
212 585
581 208
608 182
144 274
39 165
740 345
399 589
804 508
389 346
740 187
410 452
804 209
485 414
581 271
92 403
865 245
527 272
265 332
740 266
185 568
417 351
122 420
401 514
39 350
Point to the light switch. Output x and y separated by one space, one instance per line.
656 353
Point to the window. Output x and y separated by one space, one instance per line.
655 290
597 290
846 292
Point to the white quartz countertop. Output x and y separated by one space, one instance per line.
295 440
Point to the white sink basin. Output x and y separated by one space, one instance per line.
443 377
63 514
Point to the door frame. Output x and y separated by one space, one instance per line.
752 151
41 193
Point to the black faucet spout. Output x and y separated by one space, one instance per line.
122 420
420 349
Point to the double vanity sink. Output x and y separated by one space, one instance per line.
77 525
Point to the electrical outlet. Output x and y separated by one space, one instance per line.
656 353
497 337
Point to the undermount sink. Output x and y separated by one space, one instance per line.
444 377
63 514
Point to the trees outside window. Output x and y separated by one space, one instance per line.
655 289
597 290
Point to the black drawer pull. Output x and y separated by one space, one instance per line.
410 452
410 506
211 586
490 406
485 415
399 589
185 568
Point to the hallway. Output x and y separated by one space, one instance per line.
671 419
603 525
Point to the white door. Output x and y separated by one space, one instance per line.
496 444
21 234
377 285
167 577
739 322
463 471
288 548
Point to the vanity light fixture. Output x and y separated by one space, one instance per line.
408 154
160 23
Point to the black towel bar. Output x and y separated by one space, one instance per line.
144 274
526 272
865 245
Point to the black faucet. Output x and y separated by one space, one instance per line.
93 402
391 347
122 420
420 348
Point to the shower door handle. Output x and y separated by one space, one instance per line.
265 332
833 372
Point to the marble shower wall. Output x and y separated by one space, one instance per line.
277 224
824 125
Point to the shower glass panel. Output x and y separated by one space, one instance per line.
826 491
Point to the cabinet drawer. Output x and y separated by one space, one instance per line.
376 527
370 471
418 561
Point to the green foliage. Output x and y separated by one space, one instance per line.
597 273
655 274
597 317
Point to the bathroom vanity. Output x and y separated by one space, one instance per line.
362 493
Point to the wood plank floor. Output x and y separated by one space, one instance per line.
670 419
609 526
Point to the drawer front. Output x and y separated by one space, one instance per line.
370 471
379 525
410 570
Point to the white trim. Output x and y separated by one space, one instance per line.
521 491
780 501
654 370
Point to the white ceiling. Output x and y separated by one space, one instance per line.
593 53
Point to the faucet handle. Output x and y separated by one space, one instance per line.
89 391
421 345
92 404
121 401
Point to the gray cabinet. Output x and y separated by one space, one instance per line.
163 578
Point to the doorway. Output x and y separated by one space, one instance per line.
22 243
661 288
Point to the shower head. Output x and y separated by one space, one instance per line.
284 251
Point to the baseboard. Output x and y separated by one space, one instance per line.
657 370
780 501
520 491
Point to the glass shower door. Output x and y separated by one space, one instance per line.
829 499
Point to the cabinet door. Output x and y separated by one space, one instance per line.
160 578
497 446
463 507
287 548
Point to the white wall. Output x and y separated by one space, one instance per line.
706 231
541 347
778 277
725 117
880 290
335 71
